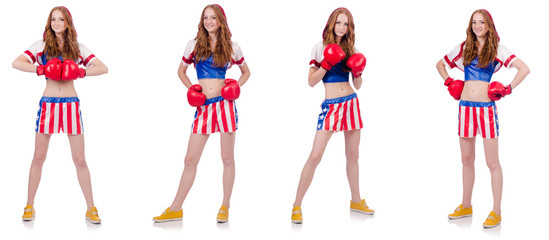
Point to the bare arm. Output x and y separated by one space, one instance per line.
523 71
357 82
23 64
442 70
316 75
182 73
96 68
245 74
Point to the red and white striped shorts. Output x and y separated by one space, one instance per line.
478 117
216 115
57 115
340 114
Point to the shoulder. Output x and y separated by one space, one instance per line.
81 46
38 44
319 46
235 45
502 47
191 43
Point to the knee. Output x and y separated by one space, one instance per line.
468 160
80 162
493 164
39 159
314 160
352 157
191 161
228 160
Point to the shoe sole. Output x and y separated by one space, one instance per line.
167 220
491 226
297 221
94 222
458 217
28 219
363 212
222 221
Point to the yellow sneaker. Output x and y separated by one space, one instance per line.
493 220
92 216
223 215
169 215
28 215
361 207
461 212
296 215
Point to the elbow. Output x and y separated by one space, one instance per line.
15 64
440 64
312 83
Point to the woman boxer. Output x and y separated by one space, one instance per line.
212 52
58 55
479 56
332 60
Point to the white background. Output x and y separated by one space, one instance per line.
137 124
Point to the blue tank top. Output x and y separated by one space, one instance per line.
336 74
207 69
44 58
472 72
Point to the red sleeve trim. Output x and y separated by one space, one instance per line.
31 56
88 59
450 63
239 61
189 60
509 60
317 64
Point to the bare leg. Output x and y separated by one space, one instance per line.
319 145
41 144
194 151
352 141
227 156
492 160
82 171
468 171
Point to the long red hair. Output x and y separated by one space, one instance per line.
70 45
223 47
347 42
490 48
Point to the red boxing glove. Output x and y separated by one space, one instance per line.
357 62
332 55
52 70
231 91
496 90
71 71
195 96
455 87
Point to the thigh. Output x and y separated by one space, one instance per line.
76 142
227 143
491 147
196 145
41 143
352 139
321 141
467 146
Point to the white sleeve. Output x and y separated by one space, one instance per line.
237 56
505 56
188 55
86 56
34 51
455 57
317 55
